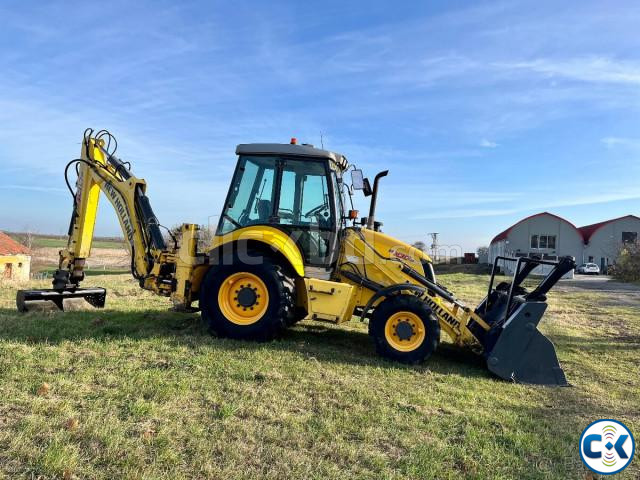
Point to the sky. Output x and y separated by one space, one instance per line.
483 112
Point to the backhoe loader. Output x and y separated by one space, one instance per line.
290 246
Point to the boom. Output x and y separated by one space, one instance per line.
163 270
100 170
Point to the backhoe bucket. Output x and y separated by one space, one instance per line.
522 353
28 299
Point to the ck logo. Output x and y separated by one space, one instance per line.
607 447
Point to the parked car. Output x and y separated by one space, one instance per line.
588 269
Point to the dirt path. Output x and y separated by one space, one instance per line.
622 293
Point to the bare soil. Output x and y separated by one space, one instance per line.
109 258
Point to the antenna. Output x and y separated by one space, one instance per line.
321 140
434 245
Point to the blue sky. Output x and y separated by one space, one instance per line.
484 112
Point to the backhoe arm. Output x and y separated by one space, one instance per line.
173 272
99 170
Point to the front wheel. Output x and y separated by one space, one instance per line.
404 329
253 302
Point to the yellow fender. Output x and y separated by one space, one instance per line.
270 236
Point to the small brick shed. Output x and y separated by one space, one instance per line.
15 259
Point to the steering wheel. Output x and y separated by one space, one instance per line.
315 211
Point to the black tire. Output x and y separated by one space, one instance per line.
279 311
395 305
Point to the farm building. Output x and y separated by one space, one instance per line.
15 259
550 236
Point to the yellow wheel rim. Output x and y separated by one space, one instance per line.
404 331
243 298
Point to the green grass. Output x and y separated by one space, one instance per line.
87 271
40 241
155 396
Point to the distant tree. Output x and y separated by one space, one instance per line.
172 235
483 254
627 266
25 238
419 245
205 236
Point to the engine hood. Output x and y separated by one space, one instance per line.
388 246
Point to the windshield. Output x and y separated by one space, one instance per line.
250 198
341 200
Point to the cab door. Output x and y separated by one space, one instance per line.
306 208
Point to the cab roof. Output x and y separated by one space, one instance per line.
291 149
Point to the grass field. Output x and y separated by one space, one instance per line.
138 392
40 241
88 271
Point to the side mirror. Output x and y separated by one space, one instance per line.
357 179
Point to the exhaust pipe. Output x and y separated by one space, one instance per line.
374 199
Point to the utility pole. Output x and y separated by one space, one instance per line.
434 245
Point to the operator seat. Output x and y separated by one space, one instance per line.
263 208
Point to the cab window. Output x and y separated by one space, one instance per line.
304 195
251 196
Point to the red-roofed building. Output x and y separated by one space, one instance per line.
15 259
550 236
602 241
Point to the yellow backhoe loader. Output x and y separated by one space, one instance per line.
290 246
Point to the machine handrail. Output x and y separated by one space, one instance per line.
559 269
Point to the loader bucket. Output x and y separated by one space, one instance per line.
27 299
514 348
522 353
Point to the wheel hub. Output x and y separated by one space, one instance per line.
247 296
404 330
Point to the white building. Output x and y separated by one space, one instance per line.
550 236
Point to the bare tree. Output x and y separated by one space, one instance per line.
420 245
205 236
26 237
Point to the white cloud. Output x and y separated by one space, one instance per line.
488 144
584 69
464 213
612 142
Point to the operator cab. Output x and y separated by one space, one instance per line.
295 188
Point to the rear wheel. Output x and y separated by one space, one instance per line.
253 302
404 329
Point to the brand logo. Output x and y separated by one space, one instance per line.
121 210
607 447
401 255
441 312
